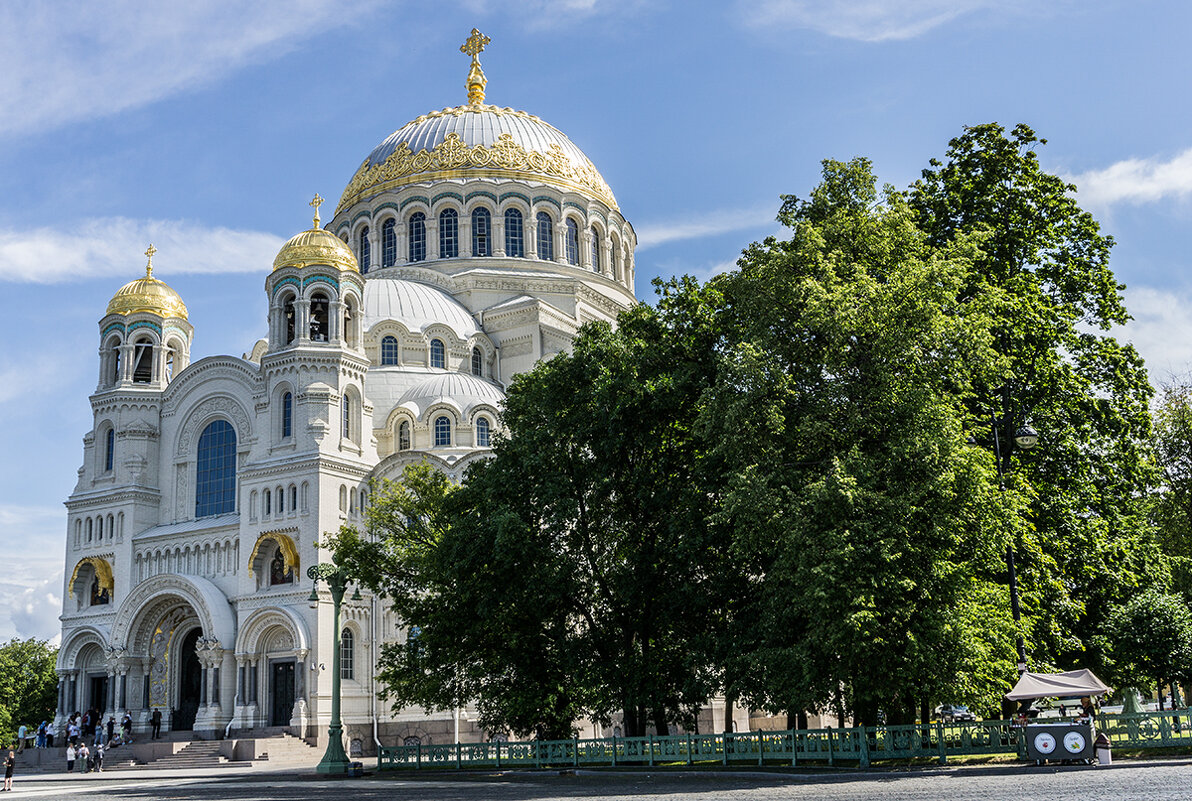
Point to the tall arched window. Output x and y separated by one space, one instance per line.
595 250
320 314
417 235
109 450
347 654
267 496
365 250
388 351
215 476
515 241
477 363
482 240
438 354
115 375
142 361
448 234
442 431
614 260
572 242
403 436
345 404
389 243
278 572
546 237
483 433
287 311
287 415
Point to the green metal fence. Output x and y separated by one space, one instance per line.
830 747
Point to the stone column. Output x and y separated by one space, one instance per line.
498 244
126 361
302 321
335 321
585 250
465 235
432 238
561 241
403 247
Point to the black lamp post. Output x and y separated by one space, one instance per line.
335 762
1026 438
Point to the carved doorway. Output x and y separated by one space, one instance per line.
190 680
281 693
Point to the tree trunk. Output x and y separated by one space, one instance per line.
660 727
729 700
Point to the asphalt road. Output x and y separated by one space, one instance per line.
1144 781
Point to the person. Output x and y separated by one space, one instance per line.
9 764
155 720
84 757
126 728
41 734
22 734
1087 709
99 758
111 727
73 729
98 734
70 758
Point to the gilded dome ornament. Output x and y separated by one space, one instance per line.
147 294
316 246
474 46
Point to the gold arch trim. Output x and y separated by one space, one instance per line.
103 571
453 156
289 551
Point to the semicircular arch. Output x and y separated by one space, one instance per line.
260 622
209 603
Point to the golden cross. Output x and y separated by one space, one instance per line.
149 266
318 201
475 43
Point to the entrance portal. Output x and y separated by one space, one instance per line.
190 680
99 693
281 693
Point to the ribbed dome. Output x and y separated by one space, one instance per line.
459 389
147 295
476 140
315 246
415 305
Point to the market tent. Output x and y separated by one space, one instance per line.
1072 684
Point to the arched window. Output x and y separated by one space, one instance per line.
281 500
320 308
142 361
482 240
417 236
109 450
287 310
345 404
293 499
99 595
477 363
438 354
546 237
515 241
278 572
90 529
389 243
169 363
483 433
268 496
388 351
115 361
442 431
287 415
365 250
595 250
347 654
572 242
448 234
403 436
614 254
215 477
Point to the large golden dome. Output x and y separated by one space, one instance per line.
147 295
315 246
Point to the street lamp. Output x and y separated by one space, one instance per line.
335 761
1026 438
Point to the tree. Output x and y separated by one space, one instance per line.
1042 273
1150 639
28 683
864 515
573 573
1171 504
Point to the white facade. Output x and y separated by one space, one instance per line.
205 485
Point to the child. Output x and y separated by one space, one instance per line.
70 758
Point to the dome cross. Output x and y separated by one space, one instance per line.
315 203
473 46
149 266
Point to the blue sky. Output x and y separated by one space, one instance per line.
205 127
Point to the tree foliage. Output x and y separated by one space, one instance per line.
28 684
1151 637
1171 503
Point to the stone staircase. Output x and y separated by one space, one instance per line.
276 749
195 754
286 749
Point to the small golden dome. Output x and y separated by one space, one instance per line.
147 294
316 246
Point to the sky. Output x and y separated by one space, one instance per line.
205 127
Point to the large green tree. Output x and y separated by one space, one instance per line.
1042 273
1151 640
1171 503
28 684
863 516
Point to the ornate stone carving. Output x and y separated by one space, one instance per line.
201 414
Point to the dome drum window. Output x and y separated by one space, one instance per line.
546 237
572 242
515 245
438 354
483 433
443 431
417 237
477 363
389 351
365 250
448 234
597 267
482 244
389 243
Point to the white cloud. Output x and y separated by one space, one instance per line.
30 596
72 60
1136 181
863 20
708 224
1161 329
113 247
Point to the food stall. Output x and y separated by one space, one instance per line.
1063 740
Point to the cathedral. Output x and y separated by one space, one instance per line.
469 245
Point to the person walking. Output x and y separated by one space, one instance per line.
22 734
126 728
41 734
84 757
99 758
155 720
9 764
111 728
70 758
